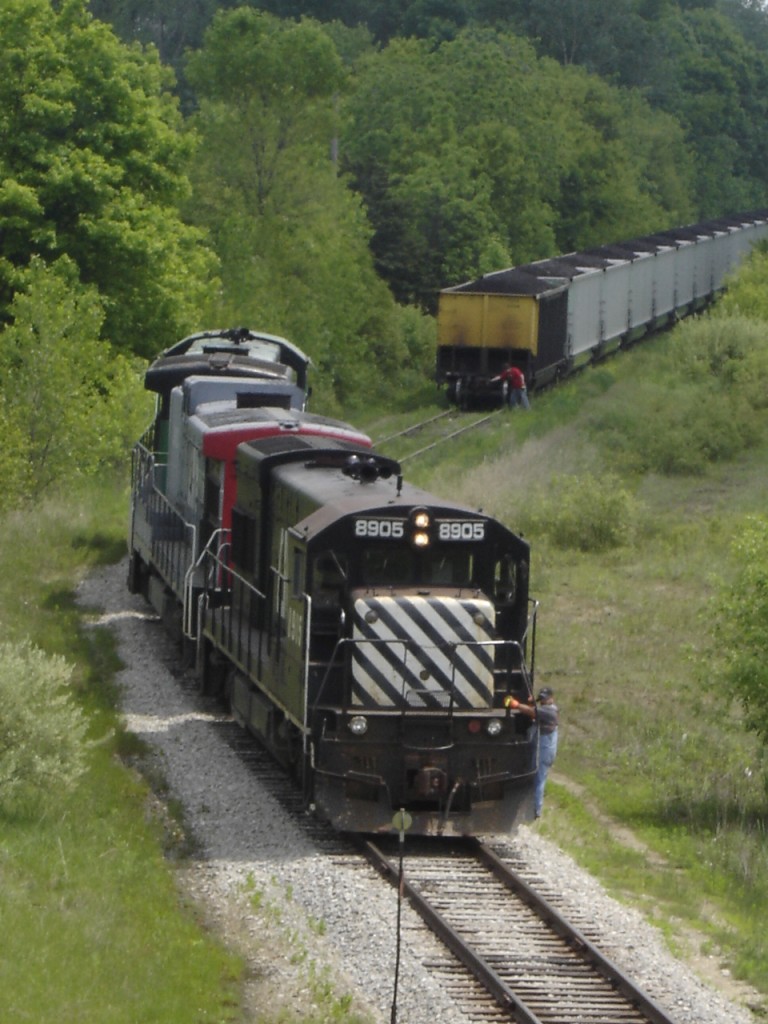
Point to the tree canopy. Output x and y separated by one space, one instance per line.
93 166
476 154
471 149
292 238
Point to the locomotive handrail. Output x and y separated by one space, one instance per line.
188 625
530 629
226 567
171 554
217 565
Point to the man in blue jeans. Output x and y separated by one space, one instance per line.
517 389
546 719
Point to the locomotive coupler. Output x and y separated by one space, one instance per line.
430 781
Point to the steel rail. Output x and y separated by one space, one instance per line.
417 426
474 963
574 939
448 437
505 996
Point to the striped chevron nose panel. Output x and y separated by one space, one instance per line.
419 651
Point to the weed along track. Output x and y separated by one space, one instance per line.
532 964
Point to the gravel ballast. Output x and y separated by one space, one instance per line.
305 920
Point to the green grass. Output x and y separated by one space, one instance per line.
93 926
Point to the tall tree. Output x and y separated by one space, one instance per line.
292 238
92 166
476 151
69 405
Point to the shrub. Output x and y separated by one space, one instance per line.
703 404
741 626
42 729
746 292
586 513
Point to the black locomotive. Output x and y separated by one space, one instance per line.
368 632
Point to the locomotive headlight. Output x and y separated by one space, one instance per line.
421 528
358 725
493 726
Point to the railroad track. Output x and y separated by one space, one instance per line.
519 950
510 955
434 431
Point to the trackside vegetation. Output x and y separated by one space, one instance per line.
94 928
42 729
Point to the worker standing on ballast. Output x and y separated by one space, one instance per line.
546 719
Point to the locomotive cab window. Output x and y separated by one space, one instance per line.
389 566
505 579
244 540
329 576
297 575
455 568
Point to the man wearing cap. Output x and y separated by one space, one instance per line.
546 718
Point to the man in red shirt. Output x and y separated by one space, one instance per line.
518 392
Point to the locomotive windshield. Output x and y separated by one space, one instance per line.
396 566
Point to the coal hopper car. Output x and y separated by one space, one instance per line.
553 316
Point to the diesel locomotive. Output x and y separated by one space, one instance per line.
369 633
279 365
553 316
